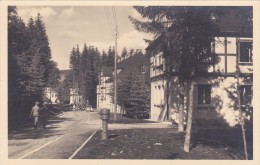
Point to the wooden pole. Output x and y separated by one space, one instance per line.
115 80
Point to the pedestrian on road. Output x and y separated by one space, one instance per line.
44 114
35 114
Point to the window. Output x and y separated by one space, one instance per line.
212 45
160 60
246 94
143 69
246 52
204 94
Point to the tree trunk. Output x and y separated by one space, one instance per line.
189 122
241 117
242 122
50 95
181 114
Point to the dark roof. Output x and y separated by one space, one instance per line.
129 64
107 71
135 61
236 22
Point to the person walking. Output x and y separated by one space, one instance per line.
35 114
44 114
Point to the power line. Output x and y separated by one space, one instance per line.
114 16
110 24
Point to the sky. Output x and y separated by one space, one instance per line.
69 26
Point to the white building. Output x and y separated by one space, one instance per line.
104 89
75 98
51 95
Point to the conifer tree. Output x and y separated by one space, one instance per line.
38 57
124 53
139 93
54 77
111 57
84 72
64 89
92 78
123 90
29 62
131 52
104 58
17 46
42 40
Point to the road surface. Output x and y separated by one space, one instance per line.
62 139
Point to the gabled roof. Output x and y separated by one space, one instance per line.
128 65
135 61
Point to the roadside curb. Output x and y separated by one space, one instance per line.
76 152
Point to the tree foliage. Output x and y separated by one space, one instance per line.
64 89
29 62
124 53
85 68
139 92
184 35
110 57
133 88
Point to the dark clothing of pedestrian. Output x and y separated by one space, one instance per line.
44 115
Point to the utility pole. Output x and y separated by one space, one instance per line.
99 90
115 80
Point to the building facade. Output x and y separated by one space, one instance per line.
104 94
215 93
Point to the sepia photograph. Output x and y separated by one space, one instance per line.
130 82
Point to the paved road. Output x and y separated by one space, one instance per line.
62 138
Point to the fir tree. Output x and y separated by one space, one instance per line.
123 90
17 45
131 52
44 46
111 57
124 53
139 94
104 58
54 76
84 72
64 89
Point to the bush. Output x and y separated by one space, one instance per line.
137 114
